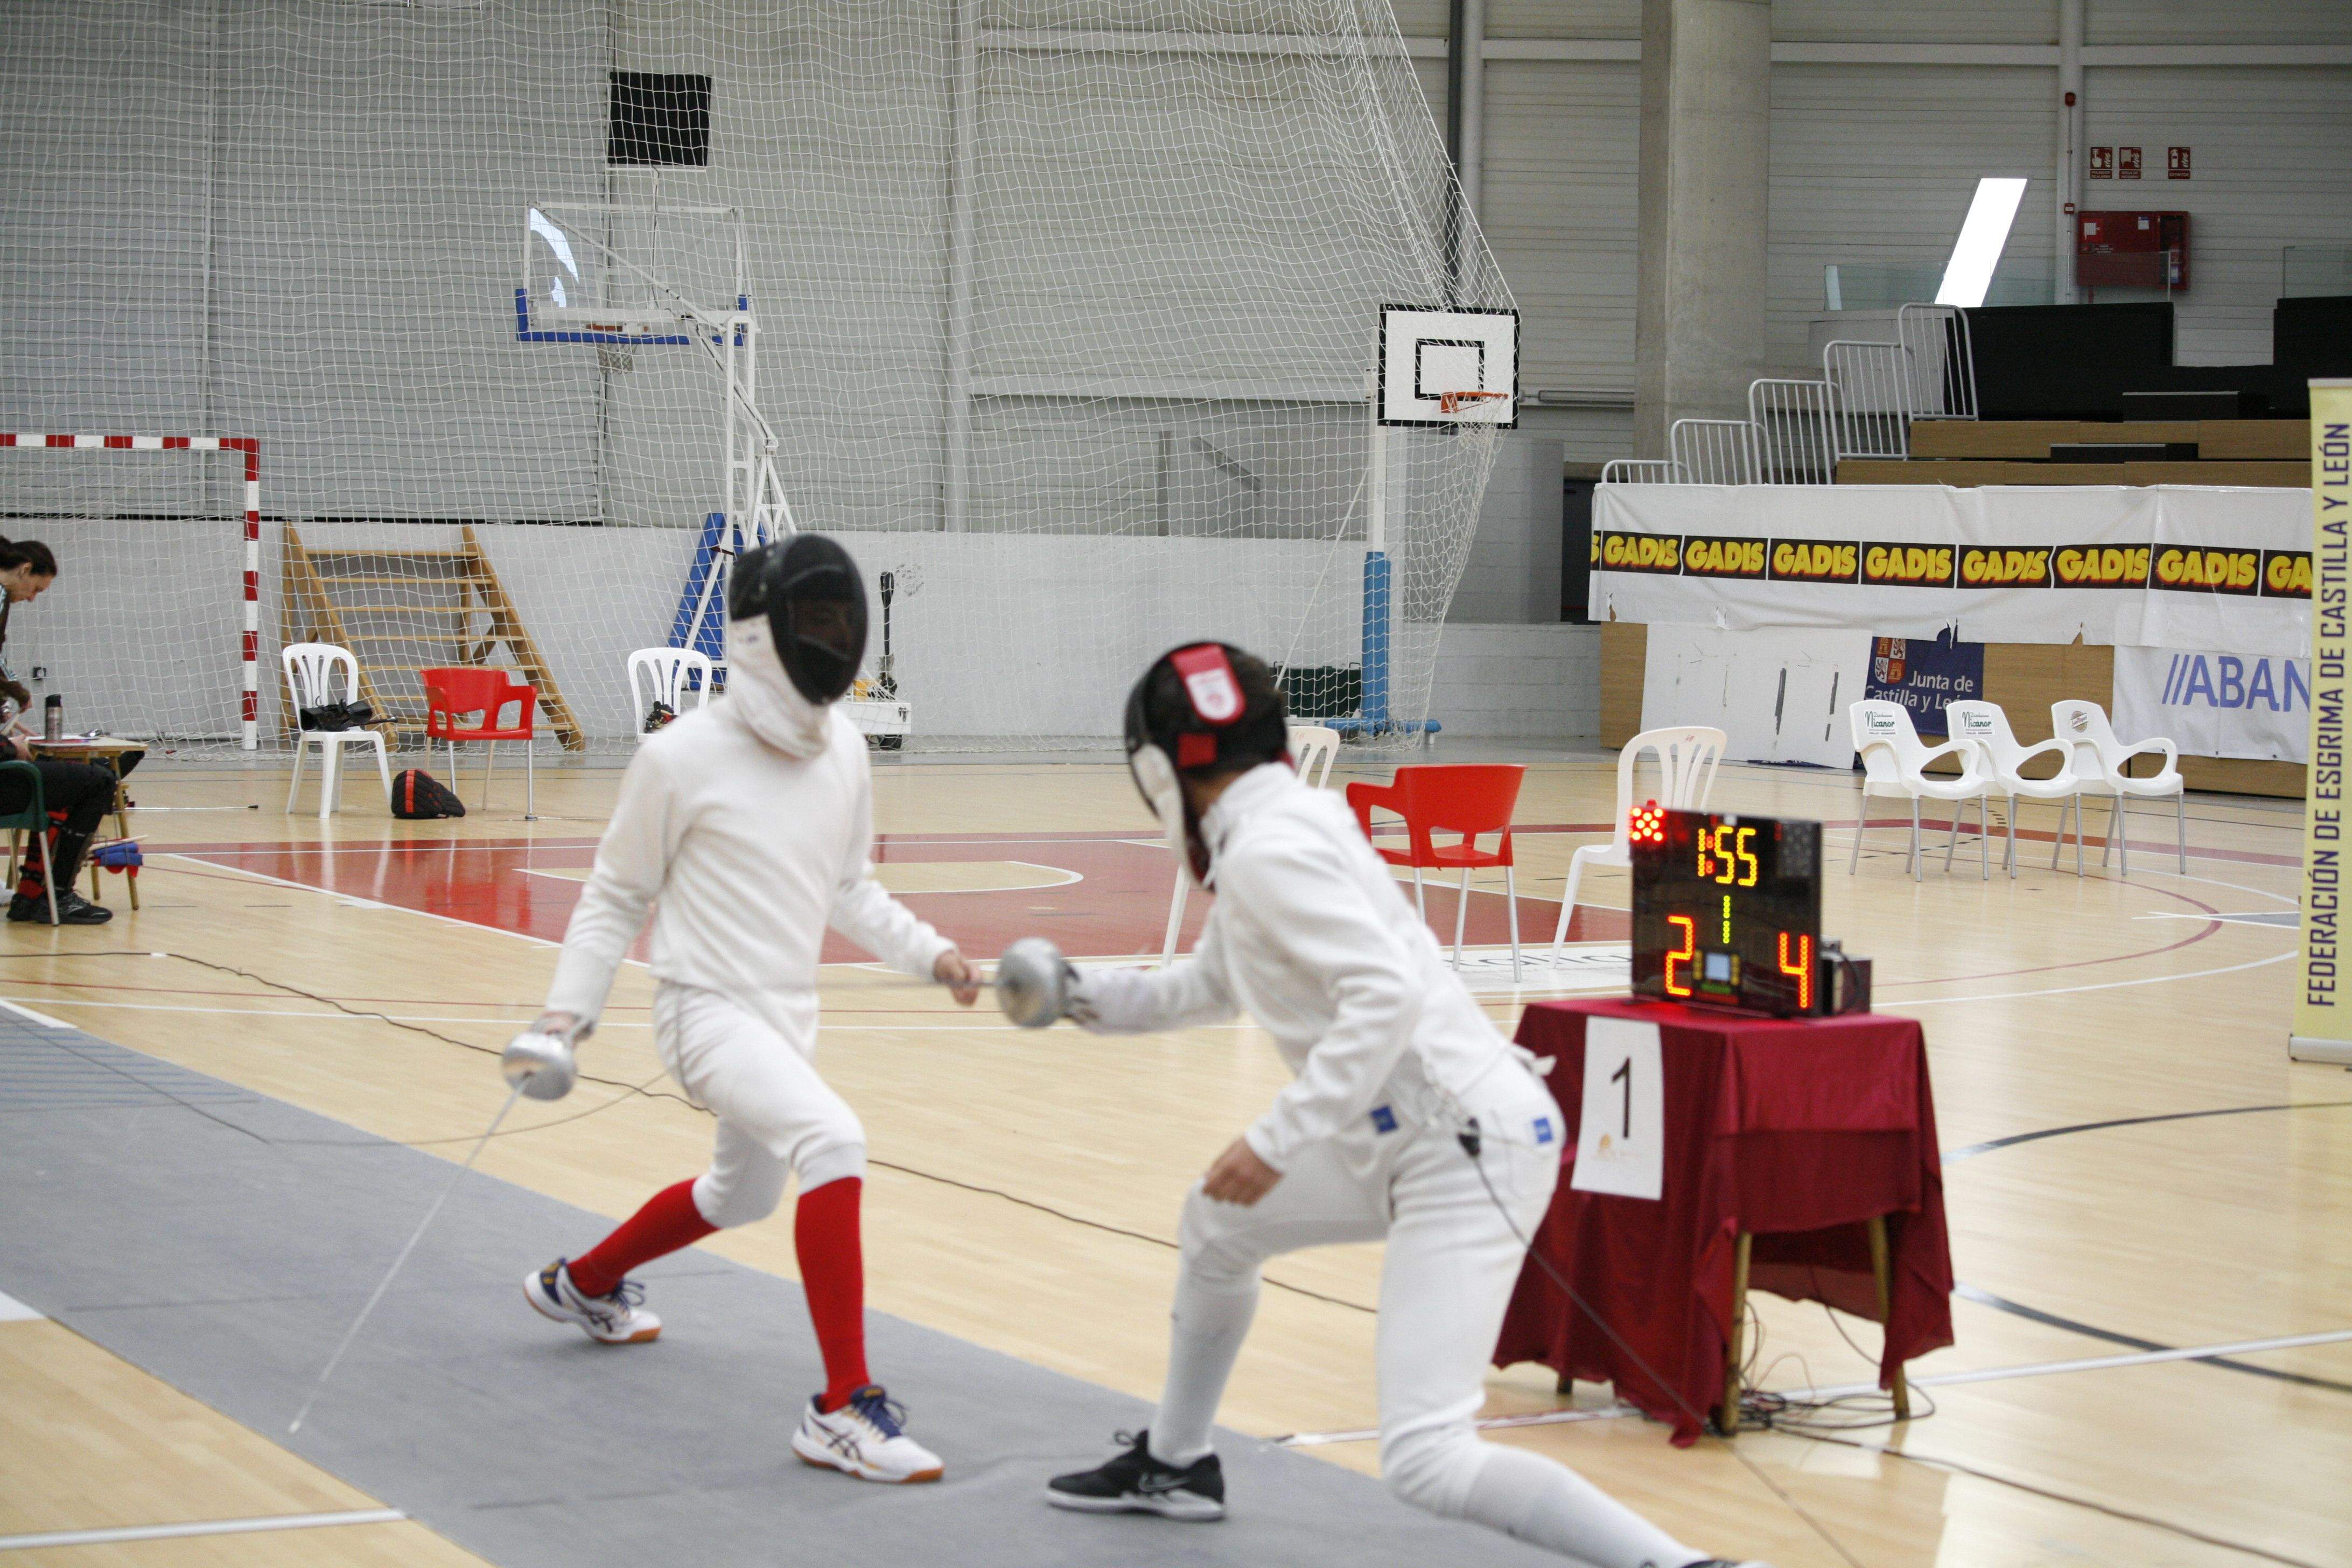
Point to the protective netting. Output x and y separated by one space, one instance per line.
1064 313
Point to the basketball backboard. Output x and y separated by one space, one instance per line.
1430 357
620 273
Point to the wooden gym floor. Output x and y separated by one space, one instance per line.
2190 1188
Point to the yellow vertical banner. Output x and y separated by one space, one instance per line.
2322 999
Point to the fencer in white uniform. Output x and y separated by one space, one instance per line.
745 827
1410 1119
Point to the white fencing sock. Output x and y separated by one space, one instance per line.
1209 1327
1532 1499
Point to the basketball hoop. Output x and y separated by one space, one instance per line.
1454 402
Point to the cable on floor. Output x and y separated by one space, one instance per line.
644 1090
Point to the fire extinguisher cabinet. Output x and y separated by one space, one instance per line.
2131 250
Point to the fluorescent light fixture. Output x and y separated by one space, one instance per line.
1968 273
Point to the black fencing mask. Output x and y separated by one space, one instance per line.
808 591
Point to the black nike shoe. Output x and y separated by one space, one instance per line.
1135 1482
73 910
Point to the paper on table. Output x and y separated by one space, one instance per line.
1620 1143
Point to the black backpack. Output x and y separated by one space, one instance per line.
333 716
416 793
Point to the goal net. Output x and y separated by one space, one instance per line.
1066 313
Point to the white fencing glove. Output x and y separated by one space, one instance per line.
1035 986
540 1060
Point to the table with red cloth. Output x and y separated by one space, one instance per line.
1794 1131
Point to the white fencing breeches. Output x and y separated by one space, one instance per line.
1452 1262
776 1116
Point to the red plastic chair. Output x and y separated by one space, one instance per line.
472 690
1467 800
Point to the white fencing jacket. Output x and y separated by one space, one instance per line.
1314 938
751 854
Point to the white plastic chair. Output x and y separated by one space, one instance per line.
1686 762
2095 761
1894 762
1984 725
662 675
1313 748
310 670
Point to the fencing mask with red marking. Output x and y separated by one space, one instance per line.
1205 708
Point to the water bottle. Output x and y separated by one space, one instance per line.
53 717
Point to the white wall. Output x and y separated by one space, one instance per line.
1528 682
303 221
298 219
1877 164
2267 171
294 222
1874 163
1007 634
1559 189
1513 573
1025 634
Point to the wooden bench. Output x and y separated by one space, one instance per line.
2030 440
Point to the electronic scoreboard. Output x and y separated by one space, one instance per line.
1728 911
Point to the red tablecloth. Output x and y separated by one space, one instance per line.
1796 1130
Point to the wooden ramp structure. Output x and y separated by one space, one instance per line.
400 609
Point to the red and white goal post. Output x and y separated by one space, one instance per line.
250 653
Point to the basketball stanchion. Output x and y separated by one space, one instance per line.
390 1274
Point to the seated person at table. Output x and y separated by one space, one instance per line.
76 794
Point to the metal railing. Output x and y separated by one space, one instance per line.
1713 451
1943 361
1797 431
1871 414
1795 444
1639 472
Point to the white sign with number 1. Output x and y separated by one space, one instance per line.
1621 1141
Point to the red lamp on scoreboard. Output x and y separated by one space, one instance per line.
1727 912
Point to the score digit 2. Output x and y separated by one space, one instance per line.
1683 954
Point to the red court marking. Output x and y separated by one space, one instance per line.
1118 907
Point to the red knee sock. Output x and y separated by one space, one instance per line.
832 1273
29 883
668 1221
